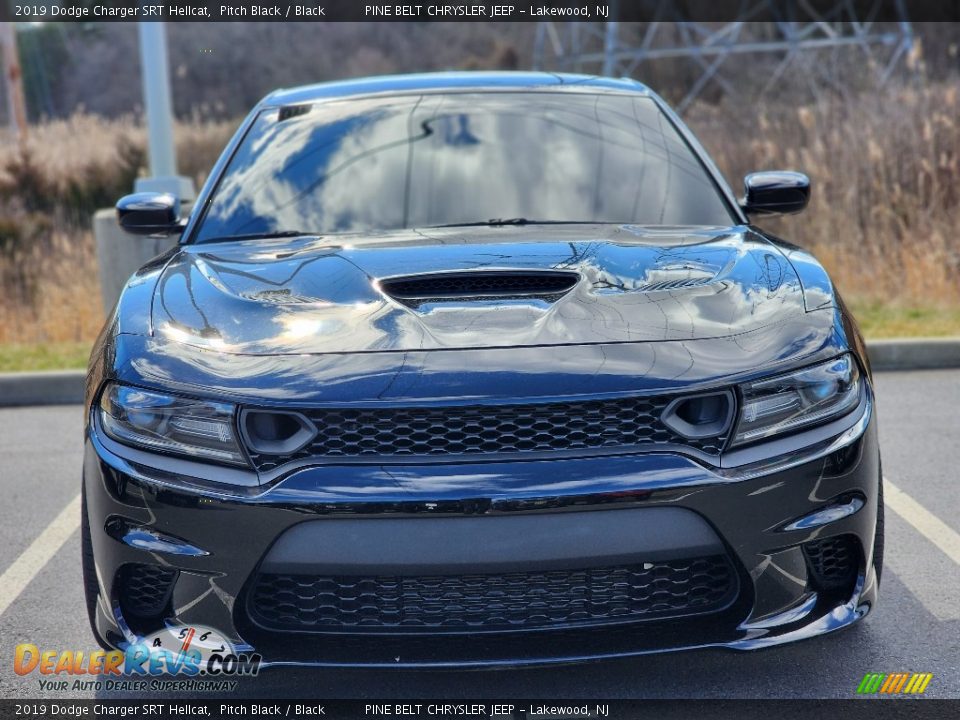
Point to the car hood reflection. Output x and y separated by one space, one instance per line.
322 295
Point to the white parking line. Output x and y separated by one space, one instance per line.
923 521
928 575
26 567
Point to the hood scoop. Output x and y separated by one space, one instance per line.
414 290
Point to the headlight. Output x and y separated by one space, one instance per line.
199 428
790 402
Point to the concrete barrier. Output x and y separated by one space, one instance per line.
66 386
120 254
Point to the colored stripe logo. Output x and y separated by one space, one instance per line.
894 683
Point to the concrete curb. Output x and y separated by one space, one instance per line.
65 387
57 387
914 354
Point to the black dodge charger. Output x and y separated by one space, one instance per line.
476 369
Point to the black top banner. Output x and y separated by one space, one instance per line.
477 11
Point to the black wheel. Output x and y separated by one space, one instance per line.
878 536
90 586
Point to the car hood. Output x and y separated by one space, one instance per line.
314 295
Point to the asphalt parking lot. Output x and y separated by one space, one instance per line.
916 627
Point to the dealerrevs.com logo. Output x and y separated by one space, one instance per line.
182 651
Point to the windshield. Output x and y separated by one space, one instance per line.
386 163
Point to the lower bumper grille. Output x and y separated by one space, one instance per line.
145 589
834 561
495 603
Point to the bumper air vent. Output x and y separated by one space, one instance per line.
504 602
700 416
145 590
833 562
275 432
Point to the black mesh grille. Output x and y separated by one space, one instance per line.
833 561
145 589
505 602
479 284
599 425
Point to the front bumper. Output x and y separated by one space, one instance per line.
764 514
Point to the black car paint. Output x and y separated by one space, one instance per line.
747 306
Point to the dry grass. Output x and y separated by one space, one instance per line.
49 287
89 151
885 171
883 219
51 291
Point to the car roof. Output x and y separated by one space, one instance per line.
427 82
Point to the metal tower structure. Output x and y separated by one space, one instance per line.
782 33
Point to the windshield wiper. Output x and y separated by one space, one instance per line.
261 235
497 222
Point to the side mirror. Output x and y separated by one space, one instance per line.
150 213
776 192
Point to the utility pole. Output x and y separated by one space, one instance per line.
610 46
158 105
119 254
13 82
